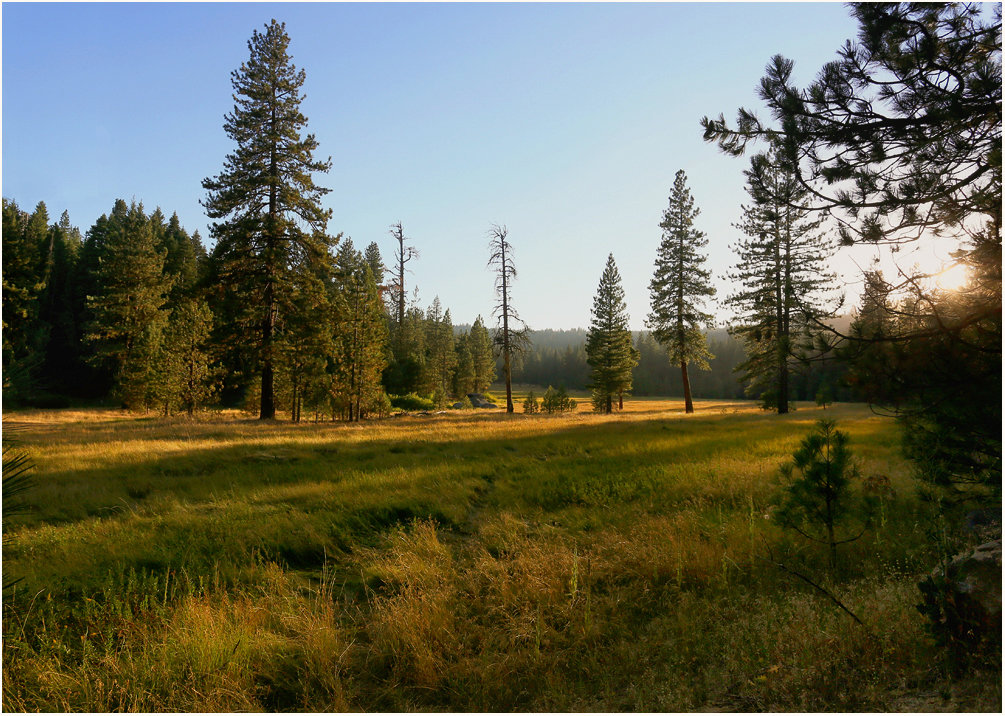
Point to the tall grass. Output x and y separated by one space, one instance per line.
469 561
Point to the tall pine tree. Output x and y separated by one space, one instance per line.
127 307
781 269
680 286
273 227
609 348
483 360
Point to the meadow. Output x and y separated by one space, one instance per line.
463 561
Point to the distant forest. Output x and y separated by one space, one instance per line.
558 357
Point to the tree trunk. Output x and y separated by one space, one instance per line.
268 405
688 405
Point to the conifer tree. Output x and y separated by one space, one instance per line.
781 269
680 286
25 251
511 335
360 336
441 351
182 375
273 227
609 348
61 367
127 306
464 374
373 258
304 341
483 360
184 258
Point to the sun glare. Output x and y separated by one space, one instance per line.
952 278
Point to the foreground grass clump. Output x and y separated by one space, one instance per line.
467 561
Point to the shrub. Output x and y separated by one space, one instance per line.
411 401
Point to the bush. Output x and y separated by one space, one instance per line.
411 401
557 401
382 405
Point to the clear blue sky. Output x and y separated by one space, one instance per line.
565 122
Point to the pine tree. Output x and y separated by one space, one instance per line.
464 374
182 375
781 268
680 286
184 256
510 337
25 248
609 347
266 196
484 362
127 306
61 368
440 349
360 337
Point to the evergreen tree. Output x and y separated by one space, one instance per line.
680 286
127 306
373 258
817 495
510 337
360 337
483 361
900 138
184 256
440 349
182 376
609 347
25 250
781 269
464 374
61 368
266 196
303 343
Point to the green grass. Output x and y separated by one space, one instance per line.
468 561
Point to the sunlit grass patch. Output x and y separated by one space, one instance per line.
463 561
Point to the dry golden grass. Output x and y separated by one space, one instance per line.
462 561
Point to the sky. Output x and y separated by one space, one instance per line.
564 122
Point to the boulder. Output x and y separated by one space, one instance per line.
977 578
964 602
480 401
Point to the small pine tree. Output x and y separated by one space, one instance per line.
557 401
609 348
530 406
817 494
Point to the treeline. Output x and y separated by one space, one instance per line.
136 310
558 357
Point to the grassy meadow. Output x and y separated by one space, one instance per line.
464 561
